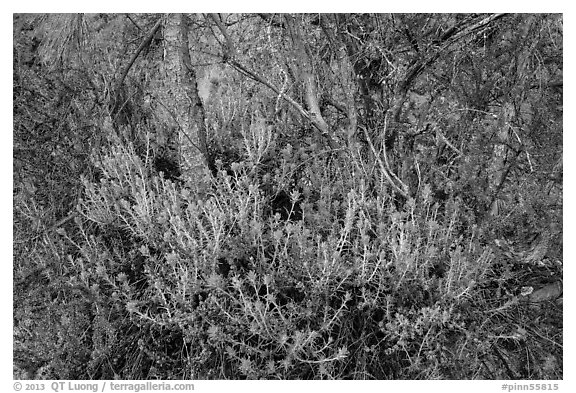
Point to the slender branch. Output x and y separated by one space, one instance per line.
133 22
270 19
448 143
229 51
500 185
144 43
383 169
338 106
418 66
229 58
180 128
421 65
404 187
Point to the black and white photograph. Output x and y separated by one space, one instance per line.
287 196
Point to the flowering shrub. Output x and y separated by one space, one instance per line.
155 279
218 285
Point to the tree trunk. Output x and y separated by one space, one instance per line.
183 102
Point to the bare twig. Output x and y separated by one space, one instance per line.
402 191
133 22
448 143
144 43
404 187
229 58
270 19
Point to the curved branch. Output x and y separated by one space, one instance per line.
229 58
229 51
385 169
307 75
144 43
269 18
419 66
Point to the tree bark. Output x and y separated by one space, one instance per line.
181 94
306 73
